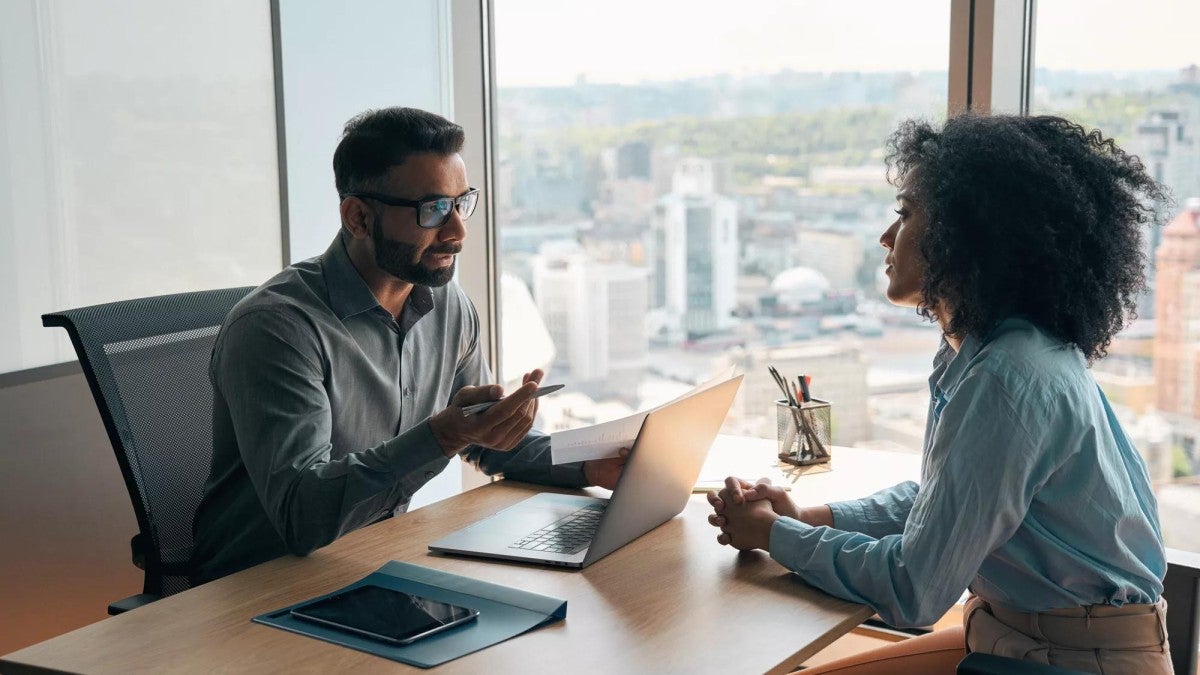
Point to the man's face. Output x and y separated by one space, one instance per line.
403 248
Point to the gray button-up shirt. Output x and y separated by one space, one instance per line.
321 408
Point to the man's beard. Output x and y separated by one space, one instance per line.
403 260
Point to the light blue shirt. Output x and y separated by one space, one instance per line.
1031 495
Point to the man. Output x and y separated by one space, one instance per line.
331 380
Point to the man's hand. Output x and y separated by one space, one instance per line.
500 427
605 472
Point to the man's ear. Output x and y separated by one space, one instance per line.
357 218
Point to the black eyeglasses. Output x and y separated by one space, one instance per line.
431 213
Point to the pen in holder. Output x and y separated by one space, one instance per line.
803 432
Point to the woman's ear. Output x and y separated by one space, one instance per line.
357 218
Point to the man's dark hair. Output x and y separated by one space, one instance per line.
1032 216
376 140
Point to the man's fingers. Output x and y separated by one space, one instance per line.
511 404
506 426
520 432
510 433
724 539
472 395
716 520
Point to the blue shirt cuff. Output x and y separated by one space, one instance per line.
786 534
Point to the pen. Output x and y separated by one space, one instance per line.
480 407
804 380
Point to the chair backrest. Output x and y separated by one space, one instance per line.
146 362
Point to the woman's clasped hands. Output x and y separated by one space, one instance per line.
746 511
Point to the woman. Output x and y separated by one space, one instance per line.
1021 237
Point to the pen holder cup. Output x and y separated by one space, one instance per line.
804 432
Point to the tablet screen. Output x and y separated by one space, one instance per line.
383 612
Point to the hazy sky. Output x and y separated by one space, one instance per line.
554 41
1117 34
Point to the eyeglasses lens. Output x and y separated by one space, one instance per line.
435 213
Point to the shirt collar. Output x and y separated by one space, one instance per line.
350 295
956 364
950 367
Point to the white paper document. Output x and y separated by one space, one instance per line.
607 438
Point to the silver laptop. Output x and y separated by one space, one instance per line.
576 531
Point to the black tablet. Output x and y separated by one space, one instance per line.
384 614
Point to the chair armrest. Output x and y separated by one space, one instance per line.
132 602
986 664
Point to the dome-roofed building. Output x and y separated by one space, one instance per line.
800 286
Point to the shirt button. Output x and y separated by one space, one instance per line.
407 393
430 474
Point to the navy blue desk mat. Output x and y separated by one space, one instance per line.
504 613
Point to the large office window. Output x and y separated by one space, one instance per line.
1134 72
681 187
137 157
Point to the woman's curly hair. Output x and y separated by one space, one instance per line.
1032 216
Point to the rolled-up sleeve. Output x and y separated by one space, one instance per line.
267 369
985 467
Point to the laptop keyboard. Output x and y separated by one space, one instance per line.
570 534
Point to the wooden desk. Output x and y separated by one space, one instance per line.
671 601
854 472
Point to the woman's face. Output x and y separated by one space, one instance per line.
905 265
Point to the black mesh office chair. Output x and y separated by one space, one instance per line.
146 361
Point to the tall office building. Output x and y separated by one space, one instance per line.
633 160
625 193
1177 339
693 251
1165 141
595 313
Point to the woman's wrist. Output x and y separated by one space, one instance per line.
817 516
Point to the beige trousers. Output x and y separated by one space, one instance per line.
1128 640
1099 639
